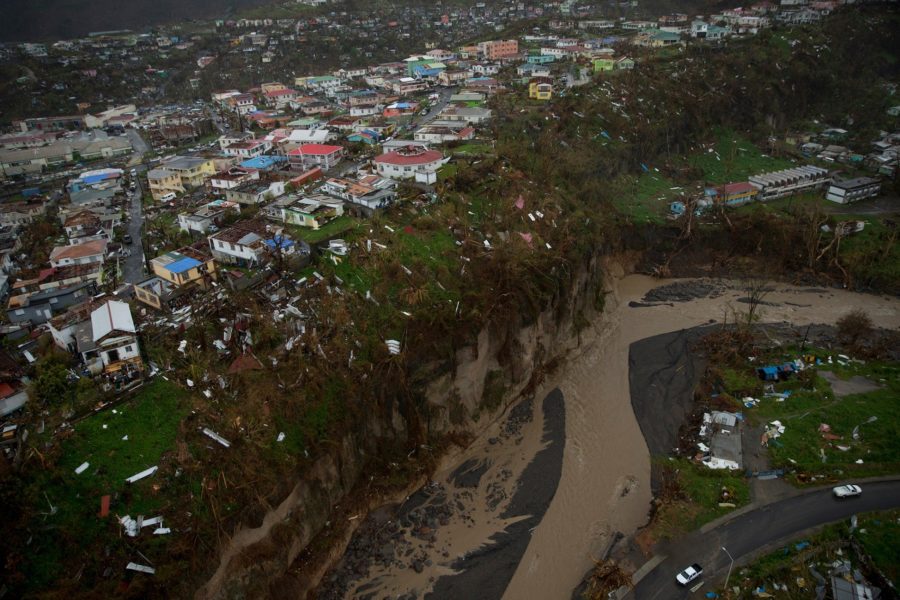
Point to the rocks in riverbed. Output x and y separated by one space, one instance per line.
685 291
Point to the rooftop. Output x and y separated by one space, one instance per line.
410 155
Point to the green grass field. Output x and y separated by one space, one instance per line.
646 198
877 534
701 488
801 447
734 158
334 228
151 421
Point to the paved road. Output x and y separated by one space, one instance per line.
133 269
433 112
138 143
752 531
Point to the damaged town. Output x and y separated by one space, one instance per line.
514 299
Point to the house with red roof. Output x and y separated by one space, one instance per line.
732 194
307 156
410 162
79 254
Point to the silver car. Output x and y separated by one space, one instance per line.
846 491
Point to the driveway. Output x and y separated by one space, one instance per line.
753 531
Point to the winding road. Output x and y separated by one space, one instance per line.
747 534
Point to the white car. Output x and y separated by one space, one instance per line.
690 574
846 491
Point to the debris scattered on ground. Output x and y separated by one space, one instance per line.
215 436
142 475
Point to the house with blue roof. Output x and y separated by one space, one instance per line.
264 163
176 274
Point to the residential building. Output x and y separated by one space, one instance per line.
94 185
248 243
14 214
248 148
540 88
607 63
473 115
255 192
163 182
192 170
498 49
724 432
448 131
452 77
789 181
67 150
732 194
324 156
705 31
39 307
207 216
113 345
369 191
852 190
83 225
410 162
312 212
233 177
79 254
186 266
530 70
656 39
180 173
64 327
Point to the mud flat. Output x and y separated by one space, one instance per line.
521 512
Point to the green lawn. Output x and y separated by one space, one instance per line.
151 421
447 171
877 534
801 446
646 198
332 229
474 147
701 489
734 158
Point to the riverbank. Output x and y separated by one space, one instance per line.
604 487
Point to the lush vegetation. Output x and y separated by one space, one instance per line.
871 547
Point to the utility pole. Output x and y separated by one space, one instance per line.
729 566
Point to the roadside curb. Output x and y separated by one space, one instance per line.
795 492
647 567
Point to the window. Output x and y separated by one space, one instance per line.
127 348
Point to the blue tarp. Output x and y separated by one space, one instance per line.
89 179
183 264
263 162
768 373
283 242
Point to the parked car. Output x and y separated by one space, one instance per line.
126 238
846 491
692 573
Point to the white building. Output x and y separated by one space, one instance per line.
411 162
113 335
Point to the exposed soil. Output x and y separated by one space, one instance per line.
847 387
622 398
